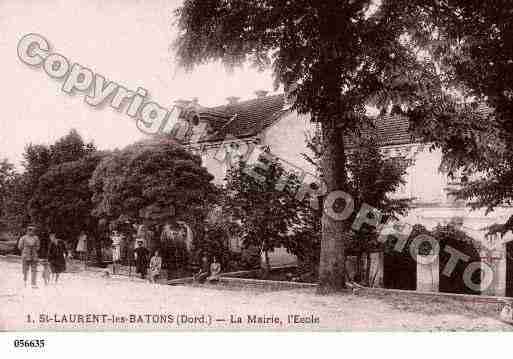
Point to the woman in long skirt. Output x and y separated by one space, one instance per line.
81 248
56 256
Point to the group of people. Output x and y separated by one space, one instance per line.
173 242
143 263
150 252
54 262
209 272
150 255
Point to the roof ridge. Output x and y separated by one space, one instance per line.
245 102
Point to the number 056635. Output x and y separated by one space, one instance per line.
29 343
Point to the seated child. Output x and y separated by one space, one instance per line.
215 270
155 266
203 272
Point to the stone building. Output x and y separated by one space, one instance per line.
237 127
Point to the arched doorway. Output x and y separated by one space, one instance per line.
451 239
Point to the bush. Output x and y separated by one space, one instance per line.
213 243
250 258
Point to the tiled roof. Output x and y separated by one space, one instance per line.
245 118
391 130
248 118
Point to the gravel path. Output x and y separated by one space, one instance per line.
86 301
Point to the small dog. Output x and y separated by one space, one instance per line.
46 272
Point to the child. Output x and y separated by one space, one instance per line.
203 272
155 266
215 270
46 271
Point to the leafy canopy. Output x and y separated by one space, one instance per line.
336 55
471 41
62 202
152 181
38 160
254 198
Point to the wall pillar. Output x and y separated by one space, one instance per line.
428 273
498 264
376 269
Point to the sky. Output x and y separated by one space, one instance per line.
126 41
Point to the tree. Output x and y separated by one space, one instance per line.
334 57
215 242
37 160
373 180
474 52
266 212
14 213
7 175
70 147
62 199
152 181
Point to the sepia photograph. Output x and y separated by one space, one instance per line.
277 166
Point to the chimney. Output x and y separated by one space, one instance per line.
232 100
261 93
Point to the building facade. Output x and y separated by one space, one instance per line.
233 130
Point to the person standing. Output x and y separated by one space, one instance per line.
56 256
29 246
155 267
81 248
117 240
141 259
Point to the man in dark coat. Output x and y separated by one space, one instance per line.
141 255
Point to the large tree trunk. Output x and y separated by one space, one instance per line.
265 266
335 233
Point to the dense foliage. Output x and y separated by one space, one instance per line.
152 181
266 212
373 180
471 42
333 57
62 199
20 205
7 178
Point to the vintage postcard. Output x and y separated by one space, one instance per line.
243 165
